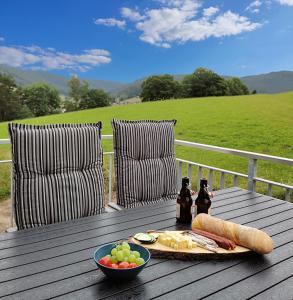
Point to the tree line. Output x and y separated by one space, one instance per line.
201 83
40 99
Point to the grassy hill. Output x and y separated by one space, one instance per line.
259 123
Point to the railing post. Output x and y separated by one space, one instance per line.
110 176
235 180
179 175
199 176
222 181
270 190
211 173
190 174
287 195
251 174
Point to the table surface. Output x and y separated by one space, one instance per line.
55 261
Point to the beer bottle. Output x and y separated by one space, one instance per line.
184 203
203 201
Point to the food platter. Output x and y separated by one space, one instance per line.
161 251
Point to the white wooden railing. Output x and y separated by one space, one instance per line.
251 175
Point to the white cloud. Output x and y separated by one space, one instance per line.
35 57
131 14
254 6
111 22
2 39
178 21
286 2
208 12
183 4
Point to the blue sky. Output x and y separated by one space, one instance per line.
127 40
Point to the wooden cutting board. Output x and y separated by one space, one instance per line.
161 251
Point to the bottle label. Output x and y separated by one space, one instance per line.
178 211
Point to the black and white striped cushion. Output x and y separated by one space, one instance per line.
145 161
57 172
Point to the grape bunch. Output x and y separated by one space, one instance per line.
122 257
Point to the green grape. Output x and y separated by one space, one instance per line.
126 252
125 245
114 251
139 261
136 254
120 255
119 247
114 259
126 258
131 258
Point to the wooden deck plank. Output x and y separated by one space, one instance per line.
281 290
88 245
259 281
96 226
233 194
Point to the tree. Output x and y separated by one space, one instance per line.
236 87
159 88
11 106
68 105
203 83
42 99
95 98
77 89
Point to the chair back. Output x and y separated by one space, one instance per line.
145 162
57 172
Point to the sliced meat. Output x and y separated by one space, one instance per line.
221 241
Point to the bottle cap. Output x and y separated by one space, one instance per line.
185 181
203 183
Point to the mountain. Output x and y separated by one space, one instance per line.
274 82
270 83
27 77
128 90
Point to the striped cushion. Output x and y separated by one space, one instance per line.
57 173
145 161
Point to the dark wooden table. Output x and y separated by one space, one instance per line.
56 261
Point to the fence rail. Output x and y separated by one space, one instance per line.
251 175
246 154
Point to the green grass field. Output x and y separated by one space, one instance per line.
259 123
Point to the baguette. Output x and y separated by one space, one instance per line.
245 236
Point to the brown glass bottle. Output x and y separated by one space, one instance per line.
184 203
203 201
